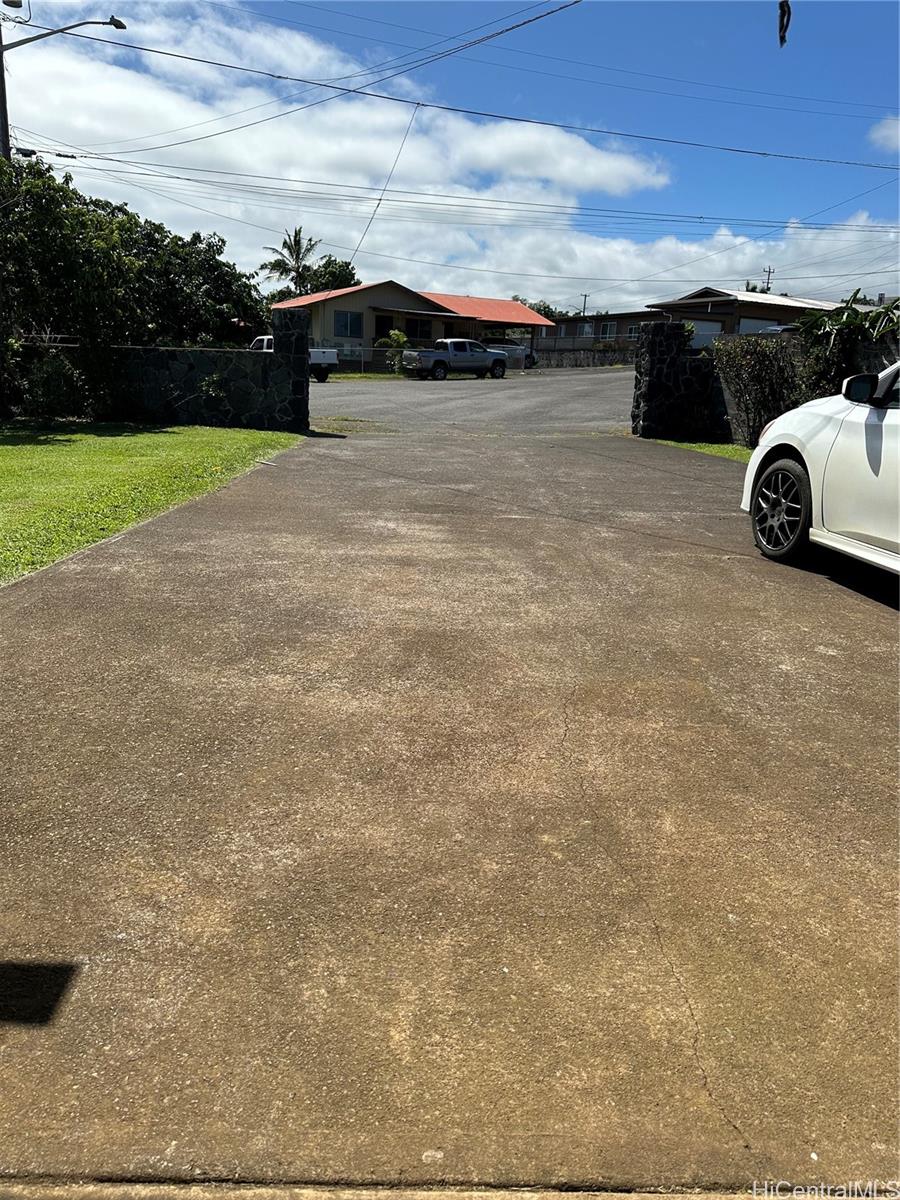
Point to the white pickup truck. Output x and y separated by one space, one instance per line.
321 362
455 354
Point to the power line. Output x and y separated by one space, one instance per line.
462 266
599 66
424 214
390 176
557 74
759 237
453 204
473 112
404 69
480 203
373 70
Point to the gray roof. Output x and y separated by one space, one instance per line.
767 298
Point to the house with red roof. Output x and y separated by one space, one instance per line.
347 318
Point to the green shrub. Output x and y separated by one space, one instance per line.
53 389
398 342
761 375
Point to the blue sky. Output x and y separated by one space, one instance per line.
590 65
842 51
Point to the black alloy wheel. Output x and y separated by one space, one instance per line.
781 510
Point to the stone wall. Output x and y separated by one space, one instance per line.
677 393
583 358
192 386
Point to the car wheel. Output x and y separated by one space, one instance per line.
498 370
439 371
319 374
781 510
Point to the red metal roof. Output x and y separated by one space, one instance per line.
302 301
484 308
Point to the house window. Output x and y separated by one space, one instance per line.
607 331
348 324
384 323
586 329
419 328
633 332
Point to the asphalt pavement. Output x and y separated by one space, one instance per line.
558 401
451 804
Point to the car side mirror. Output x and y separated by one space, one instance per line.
859 389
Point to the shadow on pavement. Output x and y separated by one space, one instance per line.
865 580
30 992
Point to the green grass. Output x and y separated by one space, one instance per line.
735 453
346 425
66 487
365 376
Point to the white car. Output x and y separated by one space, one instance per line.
829 472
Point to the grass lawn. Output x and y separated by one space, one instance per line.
365 377
69 486
735 453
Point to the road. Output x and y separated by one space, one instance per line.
452 806
557 401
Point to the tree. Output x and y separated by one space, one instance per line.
756 287
73 264
331 273
543 307
292 261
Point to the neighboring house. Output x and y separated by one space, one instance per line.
585 332
352 318
714 311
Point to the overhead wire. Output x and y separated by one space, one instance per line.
603 66
372 70
454 201
568 76
472 112
337 91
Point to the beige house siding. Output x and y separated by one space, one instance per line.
384 299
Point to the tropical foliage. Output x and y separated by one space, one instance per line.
766 376
98 273
291 261
294 263
396 342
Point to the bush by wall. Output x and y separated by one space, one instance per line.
761 376
767 376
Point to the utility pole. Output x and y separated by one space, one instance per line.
584 296
770 271
5 148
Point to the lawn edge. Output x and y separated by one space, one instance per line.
708 448
8 583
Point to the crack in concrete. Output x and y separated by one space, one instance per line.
567 713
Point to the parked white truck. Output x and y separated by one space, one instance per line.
455 354
321 362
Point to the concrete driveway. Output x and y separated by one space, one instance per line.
461 806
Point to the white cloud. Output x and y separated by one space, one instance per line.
886 135
88 94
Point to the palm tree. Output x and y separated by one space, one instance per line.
291 262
